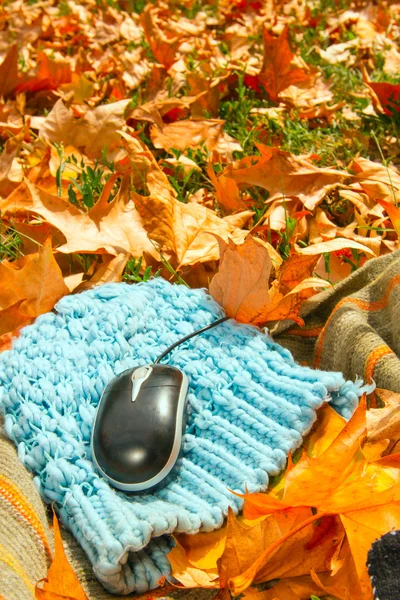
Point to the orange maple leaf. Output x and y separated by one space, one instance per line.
277 71
61 582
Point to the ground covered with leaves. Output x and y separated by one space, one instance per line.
249 147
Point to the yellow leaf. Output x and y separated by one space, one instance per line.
394 214
61 582
337 480
203 549
329 426
188 575
333 246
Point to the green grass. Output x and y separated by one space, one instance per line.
10 243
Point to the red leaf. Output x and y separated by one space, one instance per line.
388 95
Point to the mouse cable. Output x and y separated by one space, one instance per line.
187 337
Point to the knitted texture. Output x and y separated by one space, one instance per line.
354 326
249 404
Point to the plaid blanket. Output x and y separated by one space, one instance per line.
353 328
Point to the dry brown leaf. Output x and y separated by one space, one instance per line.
340 53
110 270
333 246
136 67
295 269
92 133
308 94
226 191
192 134
277 71
242 282
144 168
154 110
9 71
186 228
383 426
285 175
287 306
35 279
73 281
242 287
164 47
392 62
61 582
34 235
377 180
10 170
11 319
117 229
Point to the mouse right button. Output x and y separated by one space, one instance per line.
163 375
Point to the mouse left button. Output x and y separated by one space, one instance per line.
141 373
139 376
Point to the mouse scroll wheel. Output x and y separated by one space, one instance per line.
138 377
141 373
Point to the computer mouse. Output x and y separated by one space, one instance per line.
139 426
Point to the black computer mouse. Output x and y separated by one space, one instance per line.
139 425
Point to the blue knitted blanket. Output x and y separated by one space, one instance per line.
249 405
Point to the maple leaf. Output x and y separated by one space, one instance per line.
285 175
11 319
192 133
96 130
388 95
35 281
51 74
164 47
242 286
61 582
277 73
226 191
10 170
185 228
378 181
117 228
9 71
